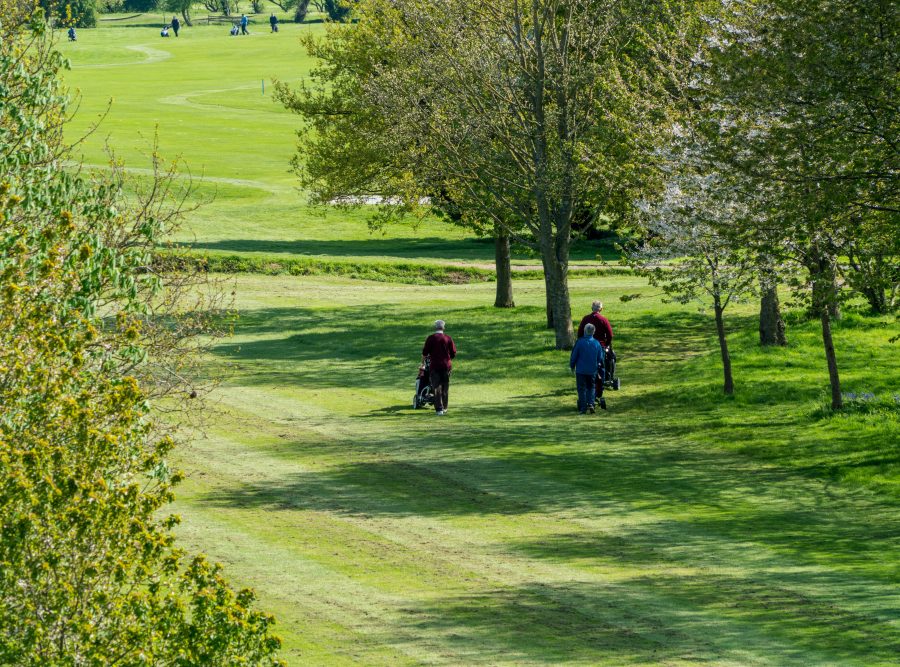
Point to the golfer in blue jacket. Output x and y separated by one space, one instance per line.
587 356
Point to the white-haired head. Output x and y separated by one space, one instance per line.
596 306
439 325
589 329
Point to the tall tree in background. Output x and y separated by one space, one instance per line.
77 13
337 10
801 96
688 252
89 573
183 7
771 323
528 115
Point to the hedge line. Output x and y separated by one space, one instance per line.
405 272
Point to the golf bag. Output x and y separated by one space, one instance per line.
424 395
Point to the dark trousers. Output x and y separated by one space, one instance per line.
586 390
440 384
244 30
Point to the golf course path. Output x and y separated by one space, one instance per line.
152 55
185 100
240 182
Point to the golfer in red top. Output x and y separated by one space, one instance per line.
441 348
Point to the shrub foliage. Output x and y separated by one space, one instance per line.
89 573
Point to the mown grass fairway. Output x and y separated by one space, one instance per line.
678 528
209 97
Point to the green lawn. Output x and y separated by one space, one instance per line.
208 98
677 528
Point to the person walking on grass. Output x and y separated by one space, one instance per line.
273 21
244 21
176 24
586 358
603 333
441 348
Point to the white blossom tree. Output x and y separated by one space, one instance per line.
686 253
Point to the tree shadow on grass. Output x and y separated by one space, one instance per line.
411 248
414 249
379 342
655 620
791 542
555 624
667 386
383 344
502 468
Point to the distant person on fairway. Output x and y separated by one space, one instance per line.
441 348
586 358
603 333
72 36
176 24
273 21
244 21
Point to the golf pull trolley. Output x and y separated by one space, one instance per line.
424 395
610 379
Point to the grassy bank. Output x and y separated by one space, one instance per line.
207 98
378 271
677 528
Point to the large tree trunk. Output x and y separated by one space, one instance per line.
504 298
877 298
723 347
548 299
556 277
301 10
834 305
771 325
186 15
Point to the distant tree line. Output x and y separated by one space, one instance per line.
82 13
743 147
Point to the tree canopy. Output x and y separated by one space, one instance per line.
527 116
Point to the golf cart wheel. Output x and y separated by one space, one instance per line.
616 384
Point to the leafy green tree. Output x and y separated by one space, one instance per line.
337 10
299 7
687 255
529 116
183 7
801 97
89 573
140 5
872 247
71 13
771 323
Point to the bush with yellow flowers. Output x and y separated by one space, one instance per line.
89 572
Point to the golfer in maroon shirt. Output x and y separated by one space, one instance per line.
441 348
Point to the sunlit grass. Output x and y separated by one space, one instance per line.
679 527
